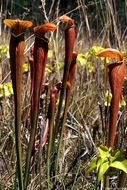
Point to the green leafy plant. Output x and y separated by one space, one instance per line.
6 89
87 59
108 162
108 98
4 51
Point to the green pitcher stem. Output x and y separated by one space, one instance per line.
49 157
16 58
18 145
106 182
50 151
30 147
68 94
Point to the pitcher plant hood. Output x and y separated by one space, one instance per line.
111 53
18 27
42 29
66 19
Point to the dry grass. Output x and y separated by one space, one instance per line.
86 123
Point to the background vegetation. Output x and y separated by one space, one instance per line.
98 23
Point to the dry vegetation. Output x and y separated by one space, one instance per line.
98 24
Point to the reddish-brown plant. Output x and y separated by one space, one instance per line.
16 51
51 118
67 102
116 79
31 63
69 46
40 59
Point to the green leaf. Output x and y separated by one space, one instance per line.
50 54
91 166
108 97
58 65
118 154
26 67
90 66
96 49
81 59
102 169
112 171
9 88
6 89
120 163
47 71
86 55
104 151
4 50
122 103
99 161
1 90
63 104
